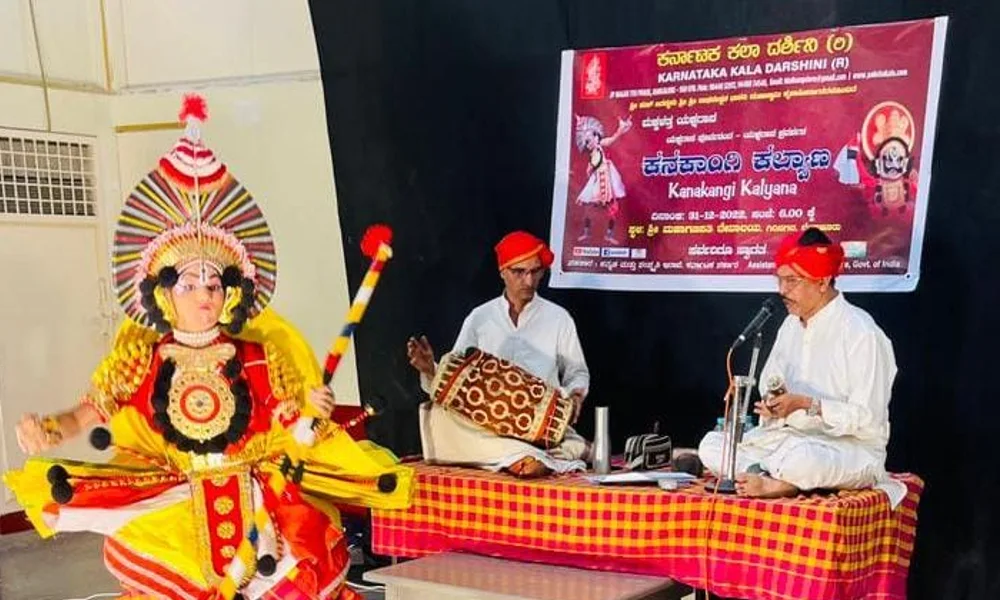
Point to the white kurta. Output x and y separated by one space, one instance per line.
843 359
544 342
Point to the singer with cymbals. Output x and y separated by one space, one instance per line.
825 387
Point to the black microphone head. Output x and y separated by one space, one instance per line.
770 304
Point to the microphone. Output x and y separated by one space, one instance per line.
765 312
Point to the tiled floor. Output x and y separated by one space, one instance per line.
67 567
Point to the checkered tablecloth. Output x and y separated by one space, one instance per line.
851 545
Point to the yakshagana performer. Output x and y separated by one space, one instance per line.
200 395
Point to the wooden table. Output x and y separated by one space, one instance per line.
457 576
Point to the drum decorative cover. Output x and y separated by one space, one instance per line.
501 397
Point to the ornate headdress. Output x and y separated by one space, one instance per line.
585 125
191 210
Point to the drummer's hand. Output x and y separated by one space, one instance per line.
323 400
577 397
421 355
31 435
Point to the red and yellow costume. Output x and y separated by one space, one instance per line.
199 423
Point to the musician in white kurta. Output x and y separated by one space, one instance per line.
831 428
535 334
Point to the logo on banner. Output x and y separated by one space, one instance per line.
614 252
586 251
855 249
594 75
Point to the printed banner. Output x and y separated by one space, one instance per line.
681 166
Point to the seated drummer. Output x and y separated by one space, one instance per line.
829 427
532 333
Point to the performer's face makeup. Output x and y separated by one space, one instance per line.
197 302
521 279
802 296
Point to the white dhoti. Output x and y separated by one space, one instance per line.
448 439
807 461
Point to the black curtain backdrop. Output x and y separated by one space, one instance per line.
442 120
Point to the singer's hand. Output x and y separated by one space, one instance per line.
323 400
761 409
785 404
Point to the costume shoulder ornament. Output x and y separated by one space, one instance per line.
122 372
287 380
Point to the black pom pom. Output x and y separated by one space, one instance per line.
161 387
239 315
266 565
56 474
231 276
185 444
160 325
171 436
62 492
239 596
233 368
168 277
298 473
248 289
162 420
149 303
217 444
240 389
387 483
147 286
100 438
167 370
239 421
160 403
234 327
243 407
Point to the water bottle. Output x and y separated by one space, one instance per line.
602 445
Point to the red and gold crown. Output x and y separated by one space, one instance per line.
190 208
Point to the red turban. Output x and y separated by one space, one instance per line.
521 245
812 261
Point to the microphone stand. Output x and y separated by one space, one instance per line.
733 428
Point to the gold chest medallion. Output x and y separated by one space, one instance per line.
200 403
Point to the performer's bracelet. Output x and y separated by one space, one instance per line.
52 429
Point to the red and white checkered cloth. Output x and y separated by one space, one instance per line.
851 545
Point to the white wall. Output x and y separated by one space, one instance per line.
113 63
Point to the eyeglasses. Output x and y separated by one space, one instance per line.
520 272
789 282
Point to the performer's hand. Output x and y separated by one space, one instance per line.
323 400
785 404
577 396
761 409
421 355
31 435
